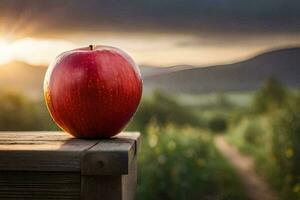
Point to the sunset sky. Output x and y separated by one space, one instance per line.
153 32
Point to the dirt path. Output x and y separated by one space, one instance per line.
255 187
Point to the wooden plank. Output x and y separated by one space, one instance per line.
104 166
129 182
133 136
41 151
109 157
101 188
52 135
75 145
57 151
40 161
106 187
39 185
34 136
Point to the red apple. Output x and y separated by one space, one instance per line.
93 92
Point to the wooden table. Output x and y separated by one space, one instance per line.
54 165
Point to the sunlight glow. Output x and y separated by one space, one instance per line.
5 52
39 51
32 51
154 50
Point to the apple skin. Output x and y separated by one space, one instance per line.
92 92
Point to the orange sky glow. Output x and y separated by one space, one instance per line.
155 50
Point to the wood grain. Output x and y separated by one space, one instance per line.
129 182
101 188
48 151
34 135
39 185
41 151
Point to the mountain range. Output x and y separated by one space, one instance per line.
283 64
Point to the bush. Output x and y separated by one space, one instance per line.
163 109
286 149
16 112
272 137
19 113
253 133
218 124
182 163
270 97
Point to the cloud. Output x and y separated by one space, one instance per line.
157 32
205 17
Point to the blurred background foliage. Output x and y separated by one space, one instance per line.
269 130
20 113
182 163
178 159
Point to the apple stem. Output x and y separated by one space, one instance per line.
91 47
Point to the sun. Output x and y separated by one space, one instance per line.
5 51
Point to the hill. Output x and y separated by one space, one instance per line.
284 64
22 77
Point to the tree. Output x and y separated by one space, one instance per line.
271 96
